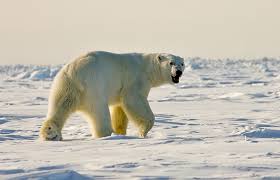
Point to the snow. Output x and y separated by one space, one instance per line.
28 72
221 122
262 133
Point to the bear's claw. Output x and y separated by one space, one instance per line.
55 138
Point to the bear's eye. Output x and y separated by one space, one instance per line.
171 63
182 64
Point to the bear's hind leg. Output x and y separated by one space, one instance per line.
98 116
119 120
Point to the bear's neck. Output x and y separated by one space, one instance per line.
153 70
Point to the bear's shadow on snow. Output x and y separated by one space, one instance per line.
167 119
113 137
119 137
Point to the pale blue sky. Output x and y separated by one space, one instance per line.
57 31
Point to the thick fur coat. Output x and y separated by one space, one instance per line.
109 89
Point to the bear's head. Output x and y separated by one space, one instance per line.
172 67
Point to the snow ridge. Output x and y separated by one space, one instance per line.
47 72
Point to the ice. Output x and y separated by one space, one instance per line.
220 122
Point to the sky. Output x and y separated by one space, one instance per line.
57 31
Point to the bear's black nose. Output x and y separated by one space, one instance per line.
179 73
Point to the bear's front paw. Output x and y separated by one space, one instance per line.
144 129
56 137
142 134
50 132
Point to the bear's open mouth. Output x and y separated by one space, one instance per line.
175 79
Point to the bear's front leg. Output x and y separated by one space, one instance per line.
138 110
119 120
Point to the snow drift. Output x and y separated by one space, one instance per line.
44 72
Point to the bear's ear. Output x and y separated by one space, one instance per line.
160 57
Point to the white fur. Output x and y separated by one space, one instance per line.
99 80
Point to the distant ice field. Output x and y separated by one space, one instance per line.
221 121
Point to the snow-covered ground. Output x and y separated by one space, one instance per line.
221 122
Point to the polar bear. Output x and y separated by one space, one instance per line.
109 89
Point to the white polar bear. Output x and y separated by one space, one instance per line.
99 80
